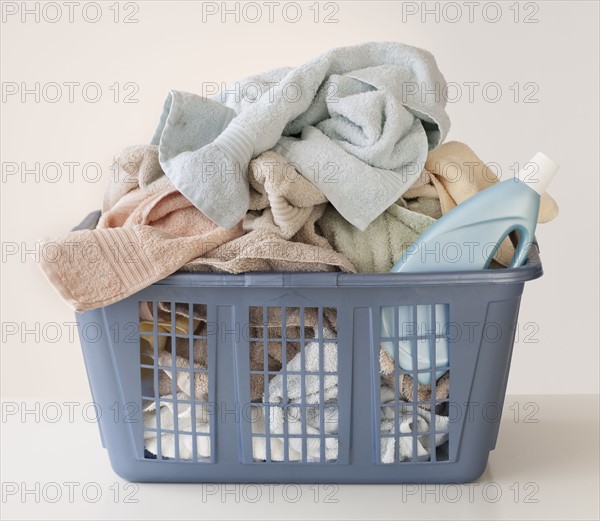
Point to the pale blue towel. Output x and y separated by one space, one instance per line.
357 122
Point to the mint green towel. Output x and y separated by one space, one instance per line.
376 249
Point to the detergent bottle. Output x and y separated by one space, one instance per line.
468 236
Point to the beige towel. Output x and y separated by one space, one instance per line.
134 167
265 249
284 236
456 174
275 359
257 330
406 385
149 230
277 185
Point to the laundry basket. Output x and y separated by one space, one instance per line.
352 435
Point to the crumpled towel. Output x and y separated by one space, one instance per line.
185 441
286 197
362 111
164 352
284 235
455 174
95 268
181 388
281 417
275 355
277 415
389 370
404 444
184 423
410 419
153 231
376 249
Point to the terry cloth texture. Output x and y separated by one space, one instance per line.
359 127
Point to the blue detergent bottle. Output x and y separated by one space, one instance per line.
467 238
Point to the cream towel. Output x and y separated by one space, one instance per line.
456 173
134 167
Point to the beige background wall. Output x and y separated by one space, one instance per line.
553 61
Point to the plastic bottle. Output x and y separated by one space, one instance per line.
468 236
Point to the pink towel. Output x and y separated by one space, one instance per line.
150 230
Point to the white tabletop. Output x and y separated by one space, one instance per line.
545 466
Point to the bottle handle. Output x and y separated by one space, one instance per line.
525 240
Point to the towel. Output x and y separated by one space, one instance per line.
134 167
284 407
153 231
389 444
256 330
321 416
362 116
147 231
456 174
185 442
390 371
95 268
149 345
286 196
184 412
282 418
376 249
256 322
282 234
410 419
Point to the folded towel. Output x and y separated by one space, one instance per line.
455 174
366 111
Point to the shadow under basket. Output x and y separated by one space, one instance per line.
259 387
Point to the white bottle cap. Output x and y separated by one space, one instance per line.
538 172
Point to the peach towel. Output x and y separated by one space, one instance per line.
456 173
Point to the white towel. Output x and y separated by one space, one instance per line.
289 412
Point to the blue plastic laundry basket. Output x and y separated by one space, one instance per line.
479 311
